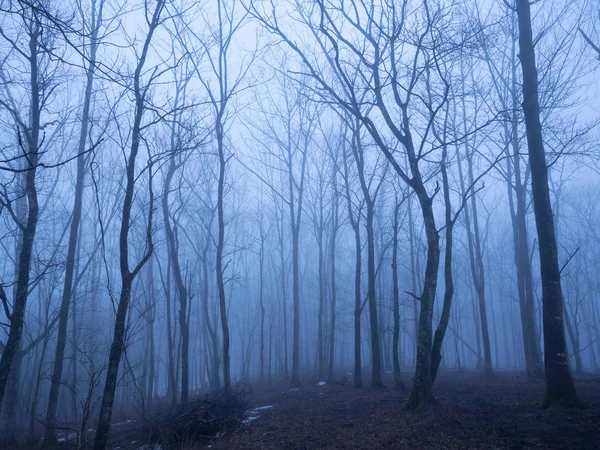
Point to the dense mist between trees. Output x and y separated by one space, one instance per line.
200 196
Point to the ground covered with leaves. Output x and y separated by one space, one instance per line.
473 413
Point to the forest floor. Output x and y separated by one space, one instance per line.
474 413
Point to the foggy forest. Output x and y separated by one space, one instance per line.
294 224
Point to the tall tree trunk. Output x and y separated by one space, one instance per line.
61 338
420 395
29 226
574 336
440 332
219 260
533 358
413 270
474 244
261 256
357 308
334 230
372 300
369 199
175 263
213 347
295 222
321 269
398 384
355 224
295 381
560 388
127 275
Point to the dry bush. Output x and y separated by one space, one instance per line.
204 417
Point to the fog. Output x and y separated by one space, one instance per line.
208 198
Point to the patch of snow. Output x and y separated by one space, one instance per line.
251 418
120 424
253 414
260 408
321 383
295 389
151 447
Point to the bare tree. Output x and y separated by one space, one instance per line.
560 388
361 37
94 29
117 348
29 142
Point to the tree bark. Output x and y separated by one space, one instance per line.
560 388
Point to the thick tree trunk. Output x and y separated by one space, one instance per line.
420 395
533 360
560 388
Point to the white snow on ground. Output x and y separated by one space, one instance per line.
151 447
120 424
68 437
253 414
260 408
321 383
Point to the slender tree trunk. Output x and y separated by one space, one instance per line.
574 336
29 227
61 339
262 307
295 381
413 270
127 276
176 266
398 384
321 269
219 260
440 332
560 388
474 245
334 229
357 309
171 382
372 300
